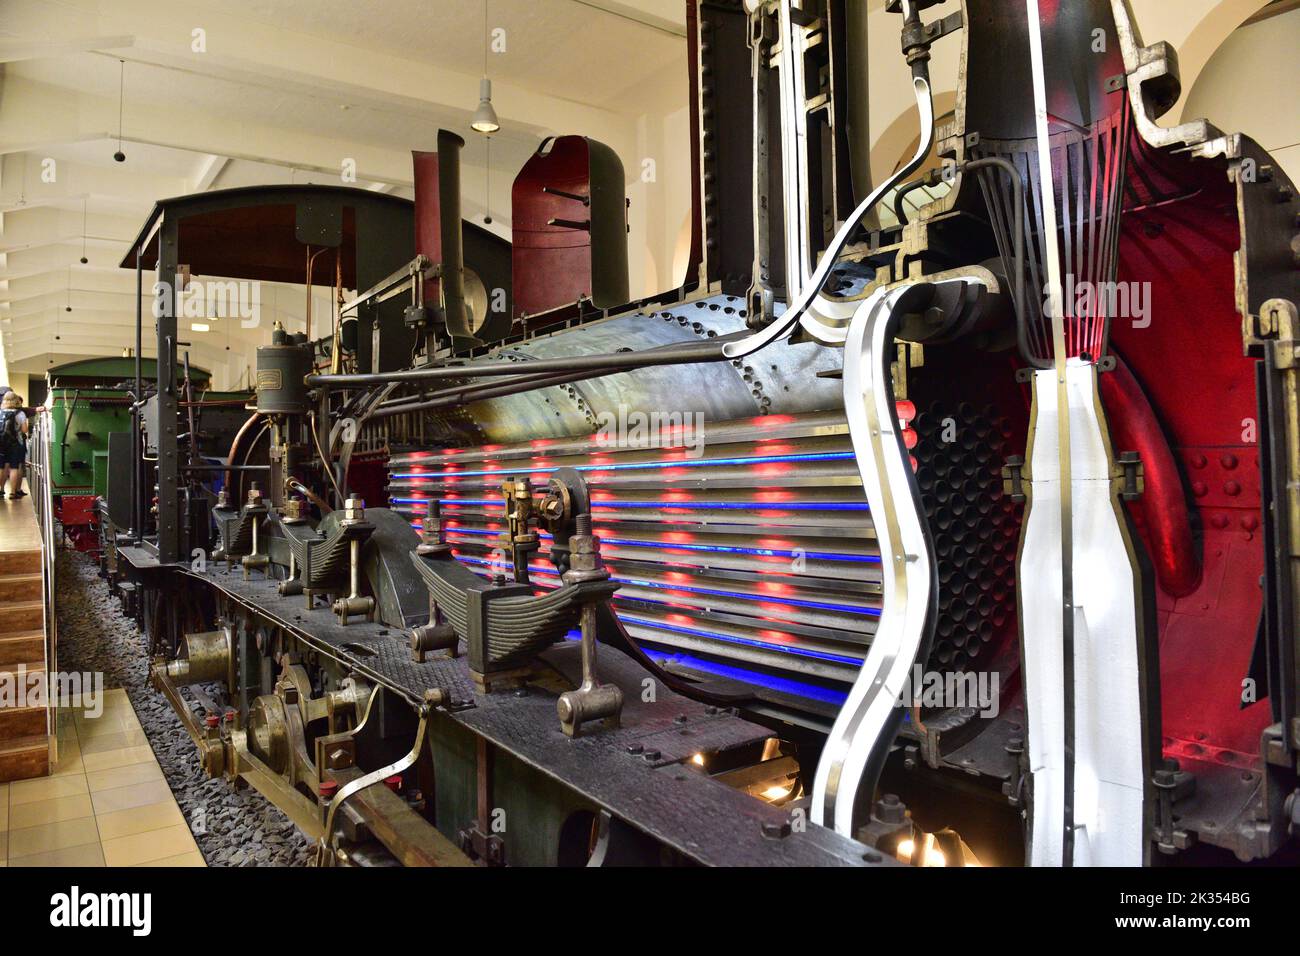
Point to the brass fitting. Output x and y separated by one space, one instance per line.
523 539
212 748
552 508
350 607
354 511
254 559
206 657
432 637
585 562
354 605
431 539
592 701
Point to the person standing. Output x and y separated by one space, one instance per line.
13 443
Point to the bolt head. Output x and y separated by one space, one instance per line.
774 830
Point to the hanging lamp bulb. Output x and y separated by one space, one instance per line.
485 117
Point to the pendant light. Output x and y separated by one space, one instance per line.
485 117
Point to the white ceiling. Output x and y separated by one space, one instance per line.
575 51
283 92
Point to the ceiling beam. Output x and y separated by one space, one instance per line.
645 12
212 167
13 49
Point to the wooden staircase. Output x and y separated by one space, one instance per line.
24 731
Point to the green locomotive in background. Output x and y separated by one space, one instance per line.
90 399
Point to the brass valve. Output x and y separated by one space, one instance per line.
520 513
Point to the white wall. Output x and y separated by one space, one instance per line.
1249 86
20 383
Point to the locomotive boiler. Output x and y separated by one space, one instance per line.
957 531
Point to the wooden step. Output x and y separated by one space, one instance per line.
20 587
28 674
24 757
27 647
24 743
20 562
21 616
26 670
19 722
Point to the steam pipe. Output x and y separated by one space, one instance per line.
453 259
1168 528
900 211
234 445
474 393
692 353
1018 250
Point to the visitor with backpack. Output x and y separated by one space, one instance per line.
13 443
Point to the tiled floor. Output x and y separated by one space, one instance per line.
106 804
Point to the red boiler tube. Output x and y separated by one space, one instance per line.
1167 519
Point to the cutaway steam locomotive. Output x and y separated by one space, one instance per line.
961 532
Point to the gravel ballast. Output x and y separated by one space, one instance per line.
232 827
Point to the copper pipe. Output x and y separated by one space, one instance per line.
326 462
311 259
234 446
317 500
336 350
247 453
